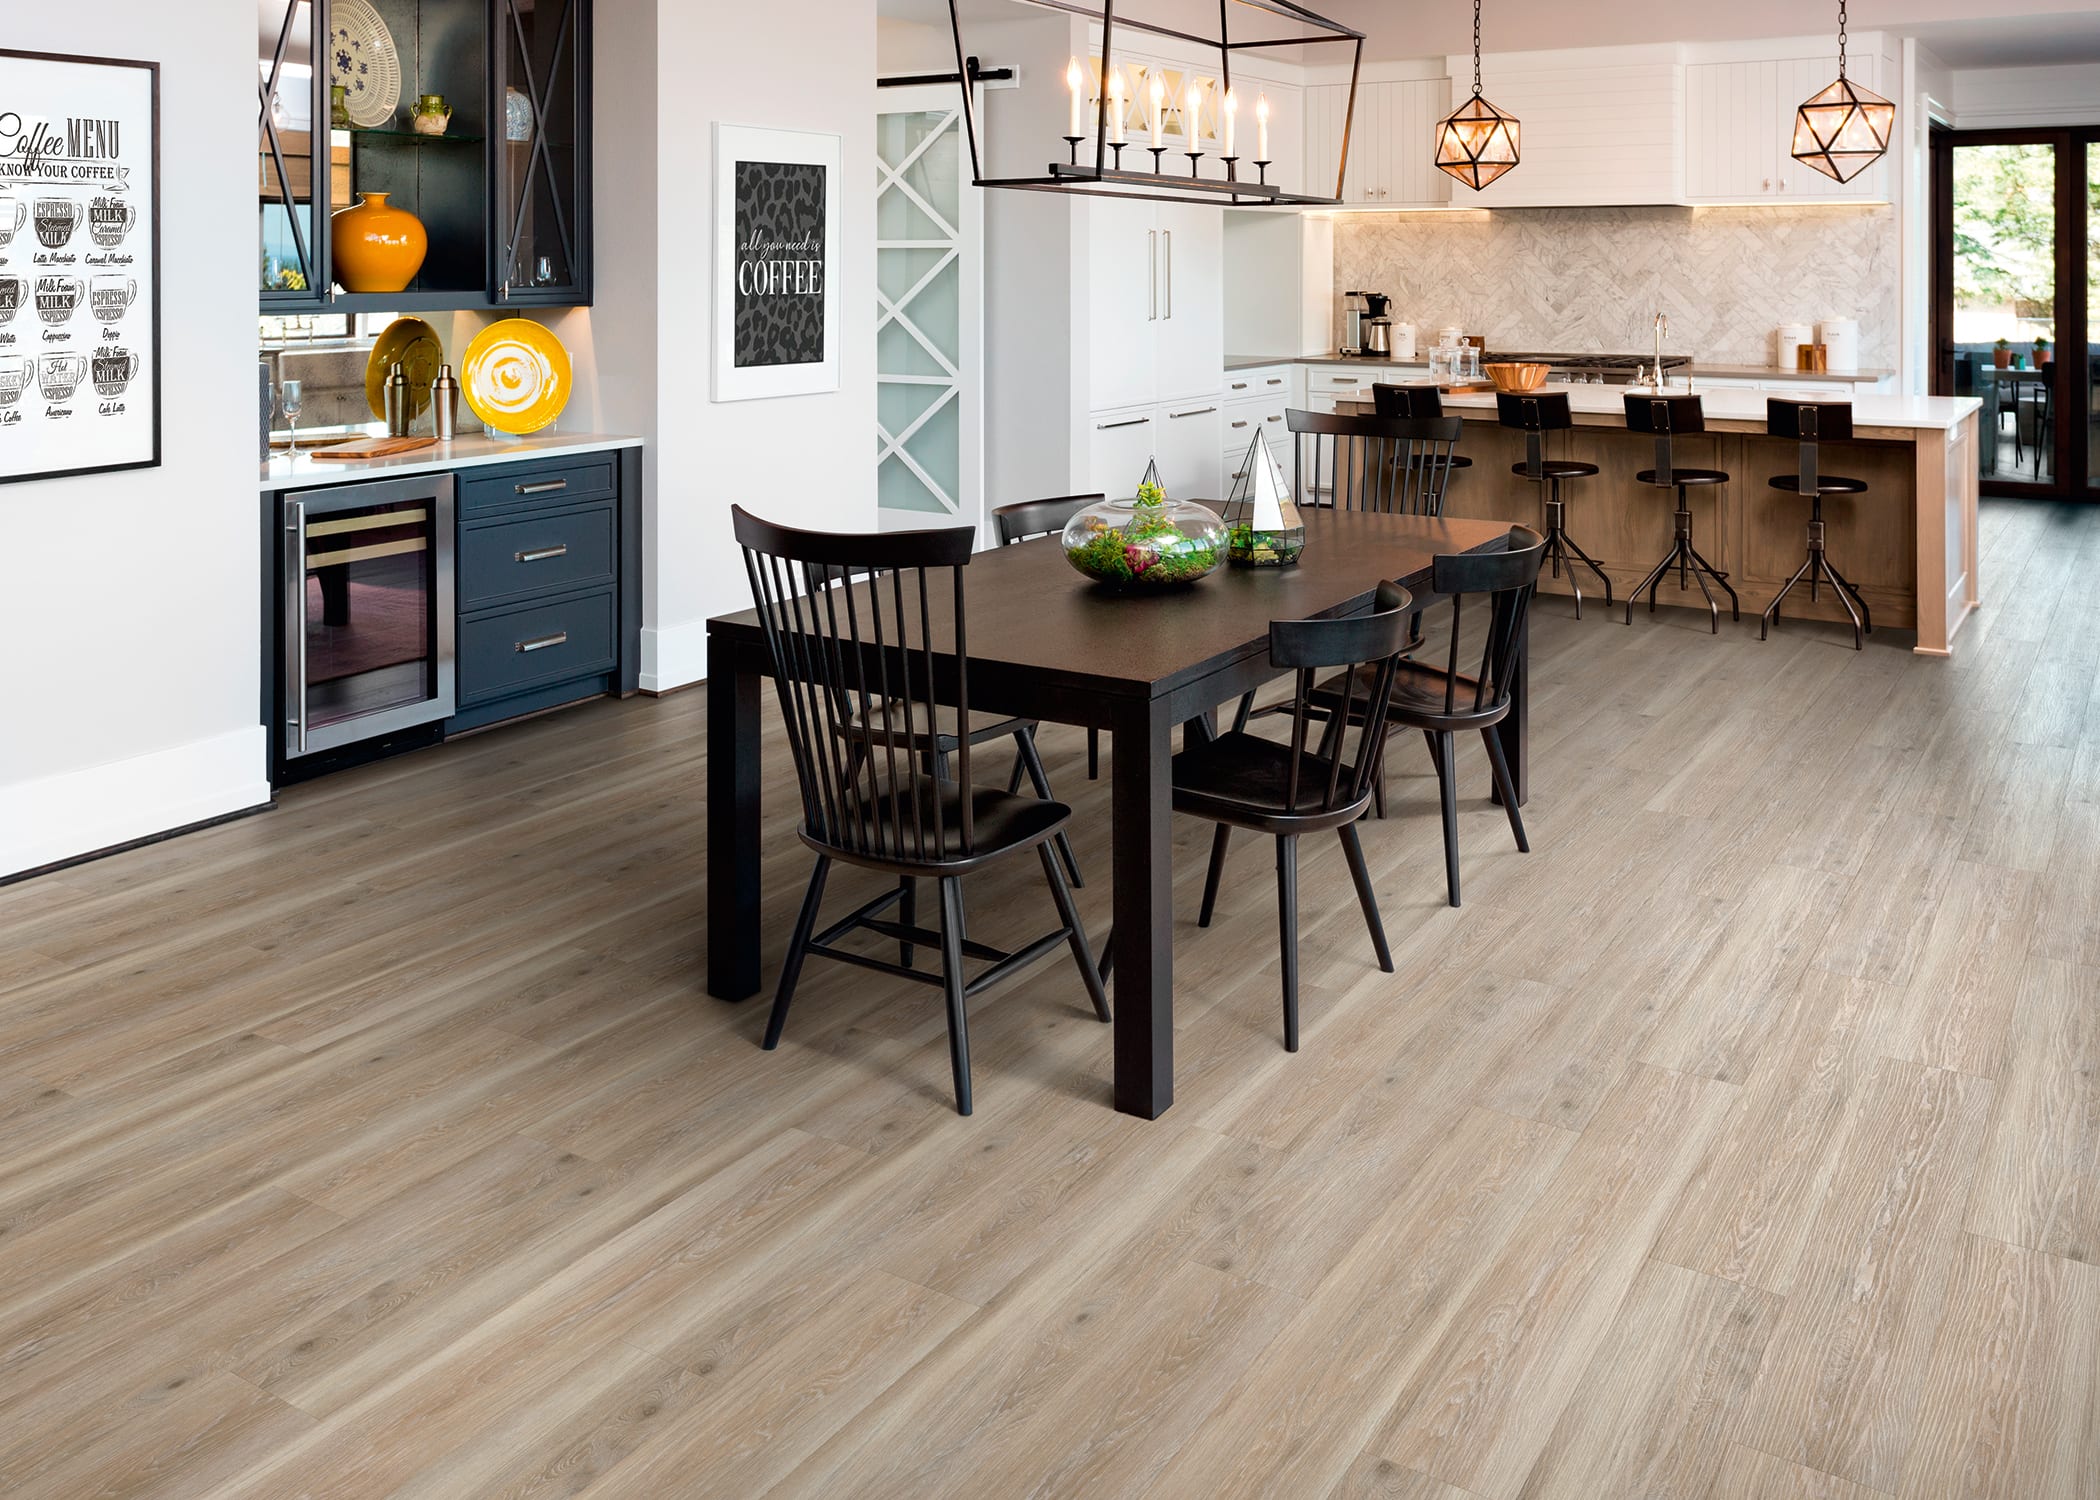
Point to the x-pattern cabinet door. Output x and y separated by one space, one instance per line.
540 154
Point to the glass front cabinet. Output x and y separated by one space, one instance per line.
472 115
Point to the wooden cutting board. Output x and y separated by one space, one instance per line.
379 447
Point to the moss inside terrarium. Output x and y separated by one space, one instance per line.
1266 549
1148 550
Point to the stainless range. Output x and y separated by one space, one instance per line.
1589 369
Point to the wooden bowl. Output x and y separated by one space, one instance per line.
1515 377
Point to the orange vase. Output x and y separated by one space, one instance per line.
377 247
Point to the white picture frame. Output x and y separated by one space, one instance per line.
776 255
79 265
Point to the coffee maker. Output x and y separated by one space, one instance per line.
1355 306
1377 327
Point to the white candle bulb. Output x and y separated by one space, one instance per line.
1192 111
1261 127
1232 108
1077 80
1115 105
1159 106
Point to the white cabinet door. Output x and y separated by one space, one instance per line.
1739 132
1189 438
1119 446
1123 302
1190 329
1413 112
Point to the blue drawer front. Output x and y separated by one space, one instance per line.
548 552
515 650
509 486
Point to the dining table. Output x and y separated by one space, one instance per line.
1046 644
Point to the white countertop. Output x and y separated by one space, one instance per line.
466 451
1732 404
1698 368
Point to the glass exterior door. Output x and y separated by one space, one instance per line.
928 297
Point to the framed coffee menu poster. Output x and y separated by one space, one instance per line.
79 265
776 260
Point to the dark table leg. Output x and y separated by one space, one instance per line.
1143 803
732 824
1515 730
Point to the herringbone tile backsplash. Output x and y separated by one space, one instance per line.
1588 280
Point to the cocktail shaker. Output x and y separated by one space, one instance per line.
396 402
444 403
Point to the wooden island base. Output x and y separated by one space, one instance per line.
1908 544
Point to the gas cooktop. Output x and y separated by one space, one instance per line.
1586 362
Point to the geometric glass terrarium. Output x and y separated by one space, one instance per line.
1262 522
1147 542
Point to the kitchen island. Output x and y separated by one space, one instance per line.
1909 543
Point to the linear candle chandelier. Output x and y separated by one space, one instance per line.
1476 143
1844 129
1167 167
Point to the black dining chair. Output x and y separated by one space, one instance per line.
856 625
1242 780
1396 466
1443 702
1420 402
1667 418
1022 521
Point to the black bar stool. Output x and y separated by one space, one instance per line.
1419 403
1811 423
1536 413
1665 418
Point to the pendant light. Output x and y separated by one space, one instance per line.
1477 142
1844 129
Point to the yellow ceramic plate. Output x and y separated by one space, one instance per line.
412 343
516 376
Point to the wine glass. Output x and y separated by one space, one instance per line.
291 398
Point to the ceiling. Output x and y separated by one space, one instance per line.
2013 41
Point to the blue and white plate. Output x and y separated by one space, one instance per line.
361 57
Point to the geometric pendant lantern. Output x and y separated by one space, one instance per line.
1476 143
1844 129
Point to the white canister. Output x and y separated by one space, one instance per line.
1403 341
1450 338
1788 341
1841 337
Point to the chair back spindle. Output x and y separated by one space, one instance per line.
1369 647
864 630
1507 579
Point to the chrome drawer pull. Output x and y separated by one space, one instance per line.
541 554
1342 379
1201 411
1128 422
543 642
546 487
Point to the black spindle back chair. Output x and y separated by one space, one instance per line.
1242 780
1023 521
1419 402
868 643
1393 465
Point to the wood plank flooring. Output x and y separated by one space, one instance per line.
1739 1141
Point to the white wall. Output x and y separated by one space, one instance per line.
666 71
130 602
2006 98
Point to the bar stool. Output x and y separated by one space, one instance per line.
1666 418
1811 423
1536 413
1420 403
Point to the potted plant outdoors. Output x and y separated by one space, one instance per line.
2042 353
2001 354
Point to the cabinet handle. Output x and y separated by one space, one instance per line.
1152 271
1342 379
541 554
1201 411
1275 380
1242 474
1272 419
1237 425
544 487
1167 236
1768 184
541 643
1239 385
1126 422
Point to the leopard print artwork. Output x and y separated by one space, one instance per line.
779 269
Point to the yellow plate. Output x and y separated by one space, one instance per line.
414 344
516 376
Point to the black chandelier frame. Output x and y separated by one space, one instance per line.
1106 178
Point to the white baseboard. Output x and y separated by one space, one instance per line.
674 657
78 812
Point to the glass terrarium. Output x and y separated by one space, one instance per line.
1147 542
1261 519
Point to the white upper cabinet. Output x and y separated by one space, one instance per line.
1598 133
1392 144
1739 130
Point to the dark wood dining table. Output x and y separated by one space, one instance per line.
1046 644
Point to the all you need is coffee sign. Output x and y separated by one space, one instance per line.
79 265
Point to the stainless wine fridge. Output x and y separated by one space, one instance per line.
366 590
